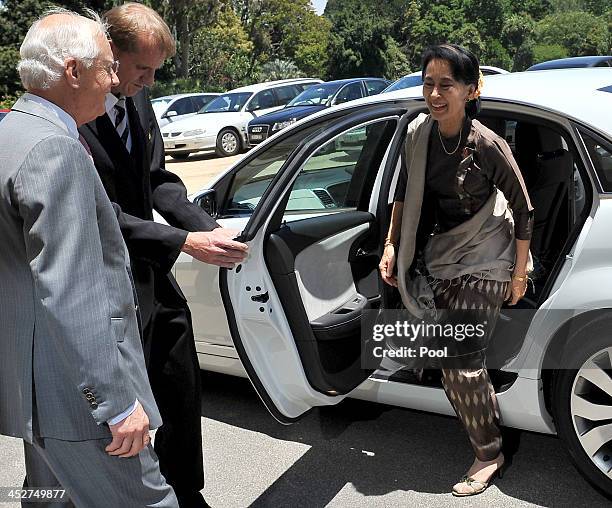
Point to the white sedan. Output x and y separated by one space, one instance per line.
313 203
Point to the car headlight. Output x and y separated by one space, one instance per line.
281 125
193 133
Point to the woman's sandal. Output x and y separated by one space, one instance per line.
477 486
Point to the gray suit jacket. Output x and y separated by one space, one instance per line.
70 350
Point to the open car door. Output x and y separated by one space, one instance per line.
294 306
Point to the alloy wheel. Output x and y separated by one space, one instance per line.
591 409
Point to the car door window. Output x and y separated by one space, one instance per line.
601 157
304 86
349 93
374 86
199 101
334 177
252 180
263 100
182 106
284 94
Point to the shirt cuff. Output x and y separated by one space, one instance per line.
124 415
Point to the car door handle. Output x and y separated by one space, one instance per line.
261 298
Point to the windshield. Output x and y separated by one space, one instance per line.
315 95
226 102
405 82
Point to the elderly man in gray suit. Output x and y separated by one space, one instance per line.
73 383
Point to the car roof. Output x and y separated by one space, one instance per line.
494 70
576 61
584 95
177 95
271 84
349 80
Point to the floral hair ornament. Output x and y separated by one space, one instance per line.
476 93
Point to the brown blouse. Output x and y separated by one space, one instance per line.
458 185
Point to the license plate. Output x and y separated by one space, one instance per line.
256 137
169 145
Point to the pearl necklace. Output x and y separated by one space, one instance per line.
458 142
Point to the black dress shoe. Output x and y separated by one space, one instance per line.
192 500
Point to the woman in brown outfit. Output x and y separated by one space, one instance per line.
477 251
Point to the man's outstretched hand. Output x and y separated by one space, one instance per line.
216 247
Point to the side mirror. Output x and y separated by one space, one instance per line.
207 201
169 114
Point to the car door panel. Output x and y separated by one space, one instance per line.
298 338
310 270
200 285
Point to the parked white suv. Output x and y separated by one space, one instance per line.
172 108
221 125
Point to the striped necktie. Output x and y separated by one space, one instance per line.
121 121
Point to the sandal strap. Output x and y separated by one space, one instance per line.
468 480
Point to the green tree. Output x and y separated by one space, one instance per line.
185 18
360 41
310 53
279 69
579 32
545 52
220 55
517 37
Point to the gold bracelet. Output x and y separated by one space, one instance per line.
520 278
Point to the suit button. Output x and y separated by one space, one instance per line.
86 391
94 405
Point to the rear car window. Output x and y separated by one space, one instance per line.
601 156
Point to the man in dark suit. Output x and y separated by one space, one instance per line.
128 152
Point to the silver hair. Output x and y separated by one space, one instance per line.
45 49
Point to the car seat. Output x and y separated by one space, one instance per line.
547 168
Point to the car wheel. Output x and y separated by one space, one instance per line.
582 406
179 156
228 143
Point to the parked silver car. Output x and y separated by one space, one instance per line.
314 217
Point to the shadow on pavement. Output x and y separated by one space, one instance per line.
199 156
380 449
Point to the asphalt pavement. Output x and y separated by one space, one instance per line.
357 454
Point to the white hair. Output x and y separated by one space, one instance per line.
45 48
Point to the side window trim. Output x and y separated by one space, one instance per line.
603 186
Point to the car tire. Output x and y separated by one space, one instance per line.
179 156
570 390
228 143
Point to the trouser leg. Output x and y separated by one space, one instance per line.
39 476
472 396
174 374
94 479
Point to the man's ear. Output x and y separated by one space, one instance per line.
72 72
471 91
